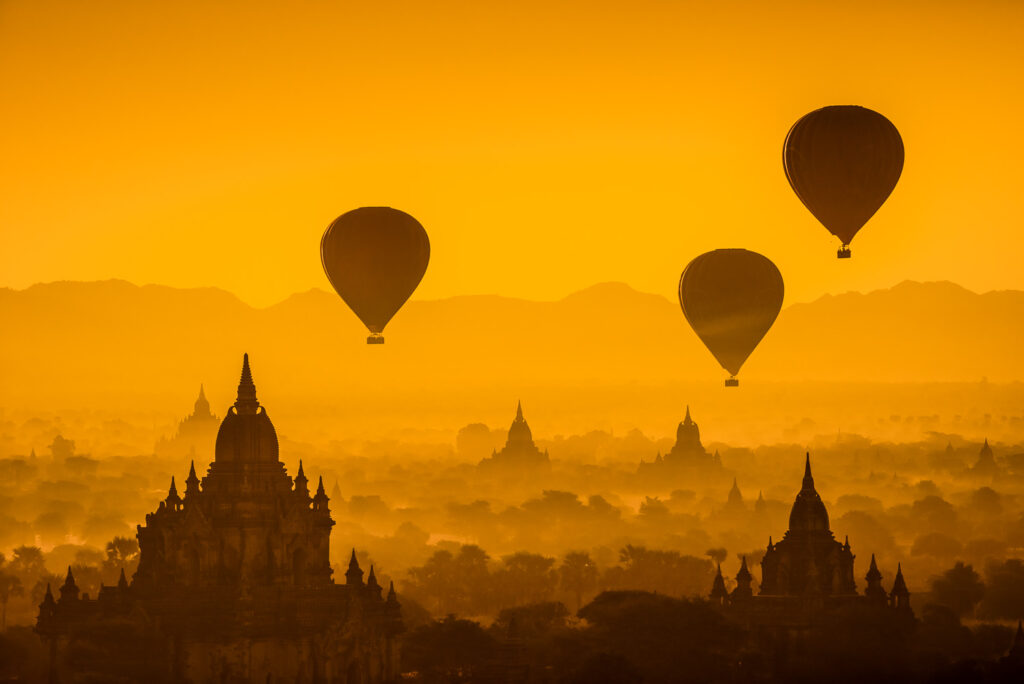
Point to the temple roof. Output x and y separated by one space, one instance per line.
808 512
246 433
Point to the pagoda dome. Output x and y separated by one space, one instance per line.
246 434
808 513
519 433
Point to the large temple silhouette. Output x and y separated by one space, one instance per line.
804 576
520 454
234 583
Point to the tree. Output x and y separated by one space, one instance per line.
1004 590
27 561
526 578
447 649
122 554
959 589
578 574
10 585
718 555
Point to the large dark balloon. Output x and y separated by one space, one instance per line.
731 297
375 257
843 162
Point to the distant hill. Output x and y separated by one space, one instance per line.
79 343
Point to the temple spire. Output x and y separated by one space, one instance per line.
687 419
519 411
246 401
808 482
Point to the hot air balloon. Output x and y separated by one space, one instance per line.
843 162
731 297
375 257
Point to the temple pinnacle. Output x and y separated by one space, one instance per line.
519 411
246 401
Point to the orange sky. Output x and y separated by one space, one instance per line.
544 148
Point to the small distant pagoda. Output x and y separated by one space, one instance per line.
687 454
520 453
196 432
233 585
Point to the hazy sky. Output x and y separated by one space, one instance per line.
545 146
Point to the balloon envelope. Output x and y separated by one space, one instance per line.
843 162
375 257
731 297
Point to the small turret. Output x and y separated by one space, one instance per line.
173 500
301 484
122 581
874 591
320 500
392 599
69 591
191 482
899 598
353 575
48 602
718 591
372 585
744 579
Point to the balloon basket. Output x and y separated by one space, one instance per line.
375 338
732 382
843 253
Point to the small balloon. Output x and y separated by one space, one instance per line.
375 257
730 298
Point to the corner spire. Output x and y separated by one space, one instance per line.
353 575
246 401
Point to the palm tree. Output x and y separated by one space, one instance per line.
10 586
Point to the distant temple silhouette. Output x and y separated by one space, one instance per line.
520 453
234 581
986 465
195 432
805 574
688 453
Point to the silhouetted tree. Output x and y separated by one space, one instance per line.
525 578
10 585
959 589
718 555
667 572
447 650
578 574
1004 590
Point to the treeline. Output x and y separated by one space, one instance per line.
630 637
468 581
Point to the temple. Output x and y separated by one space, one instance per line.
804 576
687 454
195 434
520 453
234 583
